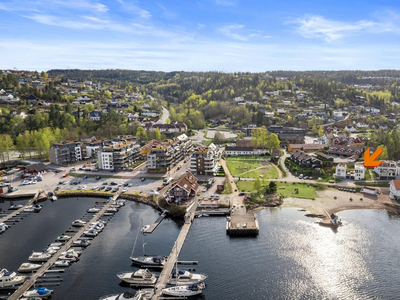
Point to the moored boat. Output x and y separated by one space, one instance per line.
38 292
184 290
28 267
39 256
15 206
144 294
37 208
62 263
81 243
63 238
93 210
3 227
10 278
141 277
181 277
91 233
144 228
78 223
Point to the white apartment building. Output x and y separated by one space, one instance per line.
387 170
359 172
341 171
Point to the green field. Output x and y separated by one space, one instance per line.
286 189
246 157
251 169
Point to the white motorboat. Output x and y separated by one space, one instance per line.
144 228
112 210
62 263
72 252
81 243
63 238
141 277
39 256
78 223
184 290
15 206
91 233
54 198
38 292
10 278
51 251
93 210
28 267
69 257
58 244
99 226
3 227
144 294
37 208
185 277
29 208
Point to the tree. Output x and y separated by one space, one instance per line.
22 144
6 143
167 121
141 133
272 187
218 137
321 131
158 134
384 154
257 185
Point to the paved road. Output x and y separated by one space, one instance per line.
165 115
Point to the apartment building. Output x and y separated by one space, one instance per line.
387 170
205 160
93 147
118 156
65 152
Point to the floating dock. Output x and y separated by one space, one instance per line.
47 265
170 264
18 211
156 223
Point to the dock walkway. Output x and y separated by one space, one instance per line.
176 250
156 223
24 287
18 211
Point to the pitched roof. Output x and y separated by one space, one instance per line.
36 167
188 182
396 184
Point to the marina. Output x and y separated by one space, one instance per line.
155 224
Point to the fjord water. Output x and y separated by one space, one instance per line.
292 258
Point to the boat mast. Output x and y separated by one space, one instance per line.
134 245
143 240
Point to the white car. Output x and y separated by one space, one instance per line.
26 182
124 190
33 182
95 188
204 190
84 187
154 193
212 196
130 185
217 197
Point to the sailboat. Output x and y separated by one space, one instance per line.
185 290
147 260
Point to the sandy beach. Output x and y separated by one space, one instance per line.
326 201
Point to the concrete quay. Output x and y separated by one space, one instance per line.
172 258
18 211
31 281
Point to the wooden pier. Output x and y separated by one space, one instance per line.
47 265
18 211
170 264
156 223
242 223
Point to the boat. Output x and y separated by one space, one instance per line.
112 210
10 278
28 267
81 243
3 227
99 226
144 228
15 206
186 277
37 208
186 290
54 198
56 244
69 257
51 251
63 238
141 277
147 260
62 263
78 223
144 294
29 208
73 252
91 233
205 215
39 256
93 210
38 292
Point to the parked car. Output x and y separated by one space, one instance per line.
113 183
217 197
98 177
84 177
80 169
72 169
154 193
57 188
124 190
105 183
242 194
94 188
143 179
109 188
204 190
84 187
115 189
102 188
126 184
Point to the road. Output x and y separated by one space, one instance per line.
165 115
198 137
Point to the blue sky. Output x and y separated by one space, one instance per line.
200 35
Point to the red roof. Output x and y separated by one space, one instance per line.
396 184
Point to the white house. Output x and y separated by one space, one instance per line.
361 125
337 114
238 99
276 93
394 188
359 172
341 171
387 170
94 116
269 114
350 128
287 102
149 113
280 110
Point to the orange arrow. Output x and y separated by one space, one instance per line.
369 161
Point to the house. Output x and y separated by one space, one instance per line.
173 127
269 114
306 147
323 156
303 159
275 93
361 125
341 171
287 102
64 153
359 172
382 126
149 113
119 155
184 189
147 148
394 188
36 169
392 117
350 128
239 151
280 111
345 151
387 170
31 99
94 115
301 117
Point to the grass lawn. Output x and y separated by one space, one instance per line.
247 169
246 157
286 189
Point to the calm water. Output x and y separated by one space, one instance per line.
292 258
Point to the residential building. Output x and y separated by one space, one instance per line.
94 115
147 148
149 113
341 171
306 147
387 170
183 189
36 169
359 172
92 147
239 151
394 188
205 160
118 156
345 151
173 127
64 153
305 160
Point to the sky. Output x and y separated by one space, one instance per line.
200 35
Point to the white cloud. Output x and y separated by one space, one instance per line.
225 2
133 8
85 5
331 30
200 26
232 31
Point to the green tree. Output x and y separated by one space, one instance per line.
384 154
321 131
272 187
6 144
257 185
157 134
141 133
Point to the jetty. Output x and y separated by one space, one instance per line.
176 250
18 211
46 266
241 222
155 224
